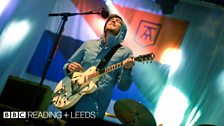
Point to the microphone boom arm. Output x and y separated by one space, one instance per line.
67 14
104 14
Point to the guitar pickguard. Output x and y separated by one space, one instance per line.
69 90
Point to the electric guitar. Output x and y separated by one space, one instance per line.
70 89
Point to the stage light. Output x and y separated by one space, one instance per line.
220 84
108 2
171 107
3 4
100 24
192 118
13 35
172 57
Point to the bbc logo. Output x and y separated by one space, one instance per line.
14 115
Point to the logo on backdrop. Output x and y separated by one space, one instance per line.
147 33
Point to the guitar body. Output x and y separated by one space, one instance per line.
69 90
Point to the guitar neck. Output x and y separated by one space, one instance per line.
111 68
141 58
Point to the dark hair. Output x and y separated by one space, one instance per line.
110 17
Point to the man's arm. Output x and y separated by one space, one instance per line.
125 74
76 57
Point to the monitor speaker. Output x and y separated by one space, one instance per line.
19 94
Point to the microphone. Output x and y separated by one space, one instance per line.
104 14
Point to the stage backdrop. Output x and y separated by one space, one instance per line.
147 33
189 40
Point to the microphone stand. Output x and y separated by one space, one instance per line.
56 44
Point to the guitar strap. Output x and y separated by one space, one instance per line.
107 57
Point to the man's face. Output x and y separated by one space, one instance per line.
113 25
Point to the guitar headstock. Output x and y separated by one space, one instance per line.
145 57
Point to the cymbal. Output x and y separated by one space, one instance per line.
133 113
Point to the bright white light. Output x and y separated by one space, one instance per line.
171 107
108 2
100 24
3 4
112 9
220 84
13 35
172 57
192 119
15 32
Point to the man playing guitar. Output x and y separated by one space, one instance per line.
90 54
